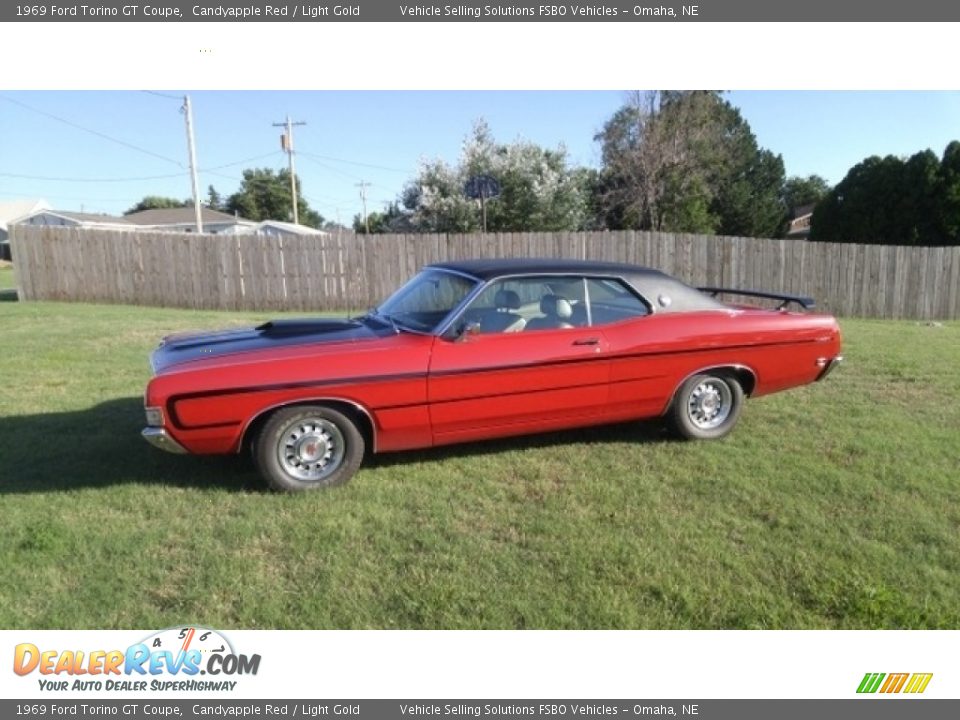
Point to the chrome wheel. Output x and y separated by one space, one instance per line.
311 449
709 403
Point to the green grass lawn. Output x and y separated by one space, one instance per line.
833 506
7 281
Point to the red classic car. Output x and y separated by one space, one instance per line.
480 349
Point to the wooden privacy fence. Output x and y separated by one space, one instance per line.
352 272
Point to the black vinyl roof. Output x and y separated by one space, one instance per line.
661 291
489 268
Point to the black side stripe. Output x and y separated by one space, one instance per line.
306 384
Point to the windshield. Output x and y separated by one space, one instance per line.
426 300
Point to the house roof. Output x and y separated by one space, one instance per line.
90 217
78 217
13 209
181 215
291 228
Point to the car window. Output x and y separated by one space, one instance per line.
529 303
551 302
426 299
612 301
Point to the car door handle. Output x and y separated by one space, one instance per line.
587 341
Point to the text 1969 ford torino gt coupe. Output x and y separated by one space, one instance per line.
480 349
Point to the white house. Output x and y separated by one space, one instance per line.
11 210
183 219
170 220
158 219
276 228
63 218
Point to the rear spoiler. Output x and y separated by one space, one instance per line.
807 303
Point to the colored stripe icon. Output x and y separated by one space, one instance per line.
894 683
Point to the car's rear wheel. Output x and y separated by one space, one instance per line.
308 447
707 406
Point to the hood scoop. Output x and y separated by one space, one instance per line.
185 348
306 326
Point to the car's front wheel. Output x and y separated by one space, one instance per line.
307 447
707 406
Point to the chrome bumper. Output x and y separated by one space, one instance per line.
159 438
829 367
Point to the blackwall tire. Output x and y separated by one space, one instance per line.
706 407
308 447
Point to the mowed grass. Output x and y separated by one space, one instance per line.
7 280
832 506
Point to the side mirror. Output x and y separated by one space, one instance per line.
468 330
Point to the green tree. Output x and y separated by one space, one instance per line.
894 201
688 162
539 190
264 194
748 197
949 193
214 199
153 202
392 219
801 191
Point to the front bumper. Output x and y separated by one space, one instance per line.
829 367
160 438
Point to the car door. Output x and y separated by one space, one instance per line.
529 372
637 364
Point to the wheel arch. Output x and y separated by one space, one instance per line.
743 374
352 409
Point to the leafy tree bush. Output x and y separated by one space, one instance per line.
154 202
688 162
539 191
895 201
264 194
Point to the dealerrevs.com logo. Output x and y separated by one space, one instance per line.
910 683
178 659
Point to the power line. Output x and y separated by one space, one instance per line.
345 174
99 134
354 162
72 197
234 178
241 162
91 180
211 170
331 169
178 98
332 204
330 198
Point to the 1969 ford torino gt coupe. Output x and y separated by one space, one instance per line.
480 349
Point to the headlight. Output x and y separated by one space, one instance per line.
154 417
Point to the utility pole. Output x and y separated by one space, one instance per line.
286 142
483 206
191 147
363 185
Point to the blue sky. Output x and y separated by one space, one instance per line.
380 137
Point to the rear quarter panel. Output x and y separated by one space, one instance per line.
652 356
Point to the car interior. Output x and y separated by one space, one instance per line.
528 304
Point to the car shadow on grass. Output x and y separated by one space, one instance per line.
101 446
633 432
